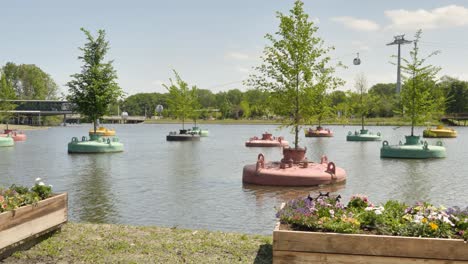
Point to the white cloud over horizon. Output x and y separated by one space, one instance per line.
356 23
442 17
237 55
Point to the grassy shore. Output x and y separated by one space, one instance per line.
391 121
22 127
105 243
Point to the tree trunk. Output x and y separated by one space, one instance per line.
95 125
362 122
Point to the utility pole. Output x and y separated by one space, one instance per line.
399 39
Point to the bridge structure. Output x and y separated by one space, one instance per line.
27 109
455 119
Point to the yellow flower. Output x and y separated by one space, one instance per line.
433 226
424 220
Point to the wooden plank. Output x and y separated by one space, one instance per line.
429 248
32 227
290 257
26 213
30 220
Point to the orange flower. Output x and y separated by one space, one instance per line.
424 220
433 226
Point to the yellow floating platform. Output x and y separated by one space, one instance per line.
102 131
440 132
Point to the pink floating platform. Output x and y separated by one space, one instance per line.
319 132
16 135
267 140
292 174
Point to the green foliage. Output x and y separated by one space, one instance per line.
182 100
6 93
294 70
417 95
17 196
456 92
30 82
94 89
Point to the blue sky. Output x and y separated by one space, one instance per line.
214 44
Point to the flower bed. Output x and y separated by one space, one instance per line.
26 214
365 233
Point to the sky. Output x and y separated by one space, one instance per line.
215 44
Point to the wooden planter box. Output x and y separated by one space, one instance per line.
316 247
32 221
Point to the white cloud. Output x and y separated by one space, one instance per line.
356 23
243 70
158 83
442 17
237 55
360 46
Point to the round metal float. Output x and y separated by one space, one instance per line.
6 141
363 135
440 132
95 145
184 135
267 140
318 132
412 149
289 173
199 131
15 134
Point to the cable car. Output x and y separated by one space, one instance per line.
357 60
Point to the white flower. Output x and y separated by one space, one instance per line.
369 208
38 179
41 183
50 185
378 212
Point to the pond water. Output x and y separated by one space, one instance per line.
199 184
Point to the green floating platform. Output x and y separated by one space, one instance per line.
412 149
363 135
201 132
96 144
6 141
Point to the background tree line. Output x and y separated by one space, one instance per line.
383 101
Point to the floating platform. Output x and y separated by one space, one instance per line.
199 131
102 131
184 135
15 134
412 149
303 173
95 145
363 135
440 132
6 141
318 132
267 140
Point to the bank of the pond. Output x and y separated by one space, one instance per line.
105 243
381 121
23 127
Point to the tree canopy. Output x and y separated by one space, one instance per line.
417 97
95 87
182 100
294 68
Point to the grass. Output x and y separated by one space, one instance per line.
106 243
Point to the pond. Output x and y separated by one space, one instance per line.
199 184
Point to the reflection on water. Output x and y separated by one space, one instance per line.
94 200
199 184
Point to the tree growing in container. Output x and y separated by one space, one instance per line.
419 103
95 88
294 69
182 100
